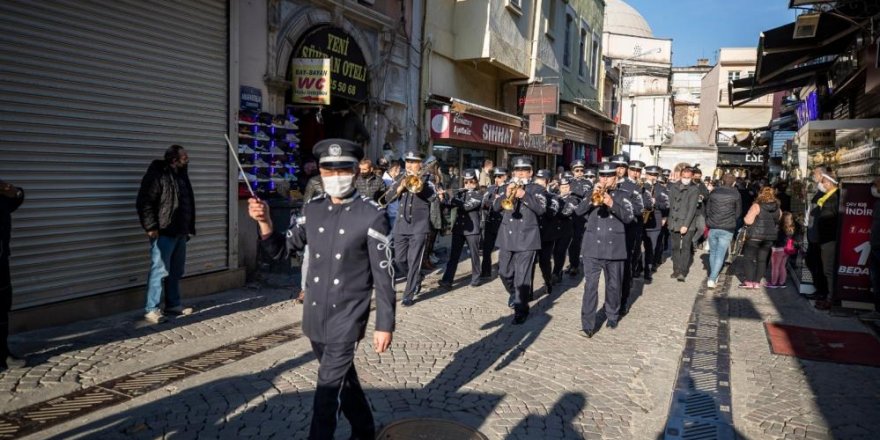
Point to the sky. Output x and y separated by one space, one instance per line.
699 27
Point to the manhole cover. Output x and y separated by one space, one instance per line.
434 429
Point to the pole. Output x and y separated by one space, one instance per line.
243 175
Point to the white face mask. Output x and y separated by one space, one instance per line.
338 186
685 181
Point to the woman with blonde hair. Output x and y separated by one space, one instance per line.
763 221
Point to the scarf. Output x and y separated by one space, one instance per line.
824 198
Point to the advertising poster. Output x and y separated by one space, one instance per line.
854 245
311 80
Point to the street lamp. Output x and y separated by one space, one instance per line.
621 64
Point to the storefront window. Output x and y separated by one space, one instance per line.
448 156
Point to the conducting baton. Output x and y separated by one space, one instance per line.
235 156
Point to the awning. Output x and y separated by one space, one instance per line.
750 90
778 50
743 118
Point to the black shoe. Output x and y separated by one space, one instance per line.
648 279
673 275
681 278
623 311
557 278
444 283
510 302
407 301
611 324
549 289
519 318
476 283
587 333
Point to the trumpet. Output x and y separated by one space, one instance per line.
598 196
508 202
411 183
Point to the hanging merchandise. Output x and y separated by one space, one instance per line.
268 150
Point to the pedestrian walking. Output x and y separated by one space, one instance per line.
486 174
465 230
11 197
581 187
348 235
683 196
608 211
167 211
723 210
763 220
634 175
367 183
416 192
785 246
519 238
492 220
814 245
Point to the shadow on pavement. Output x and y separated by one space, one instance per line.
556 424
253 406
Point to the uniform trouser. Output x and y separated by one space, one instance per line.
339 390
636 260
490 234
458 242
593 267
574 248
814 264
651 240
5 306
559 250
516 270
682 257
545 261
632 242
408 252
662 246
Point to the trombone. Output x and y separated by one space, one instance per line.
509 201
411 183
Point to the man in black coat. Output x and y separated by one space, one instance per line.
658 199
413 224
633 191
519 238
683 196
11 197
827 219
603 248
466 229
568 202
492 219
550 225
348 239
167 210
581 186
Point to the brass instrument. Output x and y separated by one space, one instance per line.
598 196
411 183
646 213
508 203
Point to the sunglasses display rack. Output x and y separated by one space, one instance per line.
268 149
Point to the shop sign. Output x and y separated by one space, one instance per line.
470 128
347 63
819 139
311 80
251 98
808 110
740 159
540 99
853 281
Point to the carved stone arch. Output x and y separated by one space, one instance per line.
293 27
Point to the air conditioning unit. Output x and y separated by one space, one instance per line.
806 26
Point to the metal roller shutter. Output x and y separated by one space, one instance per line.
578 133
93 91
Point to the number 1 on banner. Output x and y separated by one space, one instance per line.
864 251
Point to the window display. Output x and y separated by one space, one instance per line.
268 148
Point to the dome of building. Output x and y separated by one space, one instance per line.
621 18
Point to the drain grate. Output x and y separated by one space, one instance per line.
40 416
700 408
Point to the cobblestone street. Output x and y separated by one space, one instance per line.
455 356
